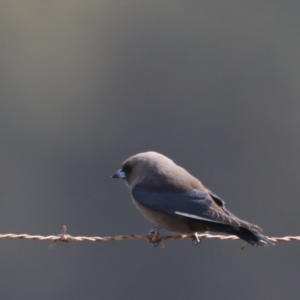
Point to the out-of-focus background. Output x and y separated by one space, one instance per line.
84 84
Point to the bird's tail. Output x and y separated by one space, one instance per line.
252 237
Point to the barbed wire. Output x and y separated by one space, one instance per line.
154 237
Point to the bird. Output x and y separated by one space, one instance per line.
171 198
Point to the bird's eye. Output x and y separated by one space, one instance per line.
127 169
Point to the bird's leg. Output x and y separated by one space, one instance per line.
196 239
155 229
154 238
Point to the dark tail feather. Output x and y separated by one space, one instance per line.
252 237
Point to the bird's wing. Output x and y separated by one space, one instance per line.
195 204
220 202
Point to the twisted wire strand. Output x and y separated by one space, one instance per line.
154 238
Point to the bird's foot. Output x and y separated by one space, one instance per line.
196 239
154 236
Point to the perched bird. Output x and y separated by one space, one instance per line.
171 198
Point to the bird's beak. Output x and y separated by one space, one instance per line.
119 174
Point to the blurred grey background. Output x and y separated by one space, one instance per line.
84 84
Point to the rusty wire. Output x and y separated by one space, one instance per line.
154 238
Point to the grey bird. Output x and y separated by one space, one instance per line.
171 198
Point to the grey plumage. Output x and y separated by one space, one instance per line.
172 198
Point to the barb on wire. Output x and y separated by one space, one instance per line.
153 238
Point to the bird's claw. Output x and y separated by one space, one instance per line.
154 236
196 239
